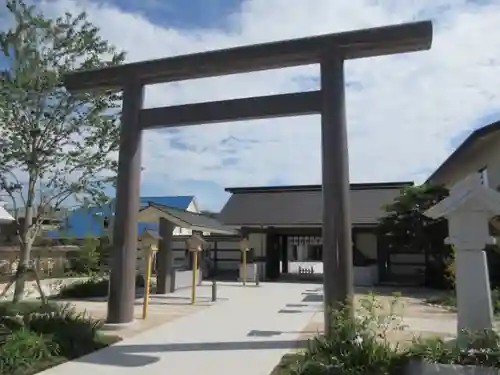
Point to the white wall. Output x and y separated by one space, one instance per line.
484 154
193 207
183 231
178 231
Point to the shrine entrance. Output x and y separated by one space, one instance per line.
330 51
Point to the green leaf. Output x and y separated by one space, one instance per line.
56 146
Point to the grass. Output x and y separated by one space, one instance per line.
101 342
94 287
287 362
36 337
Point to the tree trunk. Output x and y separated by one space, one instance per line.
24 259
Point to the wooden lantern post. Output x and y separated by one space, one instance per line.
148 246
244 247
194 245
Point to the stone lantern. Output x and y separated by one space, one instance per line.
468 209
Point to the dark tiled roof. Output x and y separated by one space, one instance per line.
288 188
194 220
302 205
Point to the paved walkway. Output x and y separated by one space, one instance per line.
246 333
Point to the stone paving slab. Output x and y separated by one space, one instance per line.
247 334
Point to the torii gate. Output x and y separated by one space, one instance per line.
328 50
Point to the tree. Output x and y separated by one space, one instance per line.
55 145
87 260
405 229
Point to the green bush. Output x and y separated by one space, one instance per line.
356 345
86 261
35 336
9 308
73 332
11 313
473 349
23 349
94 287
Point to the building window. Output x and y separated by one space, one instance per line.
484 176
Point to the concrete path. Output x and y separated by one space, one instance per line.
246 333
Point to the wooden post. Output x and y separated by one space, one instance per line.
244 246
124 255
194 245
195 271
337 242
147 282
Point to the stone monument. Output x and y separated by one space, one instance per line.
468 210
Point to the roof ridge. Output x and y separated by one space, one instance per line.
167 196
354 186
182 209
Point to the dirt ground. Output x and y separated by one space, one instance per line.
416 318
162 309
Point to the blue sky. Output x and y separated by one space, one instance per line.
405 113
183 14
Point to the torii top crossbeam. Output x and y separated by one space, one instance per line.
378 41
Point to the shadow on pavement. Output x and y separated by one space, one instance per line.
258 333
314 295
134 355
313 298
178 300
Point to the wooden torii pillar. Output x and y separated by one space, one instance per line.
330 51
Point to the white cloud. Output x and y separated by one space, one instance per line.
400 122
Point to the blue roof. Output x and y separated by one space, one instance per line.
182 201
88 222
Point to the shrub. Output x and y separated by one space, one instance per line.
11 313
86 261
476 349
23 349
35 336
94 287
356 345
4 333
104 250
9 308
73 332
